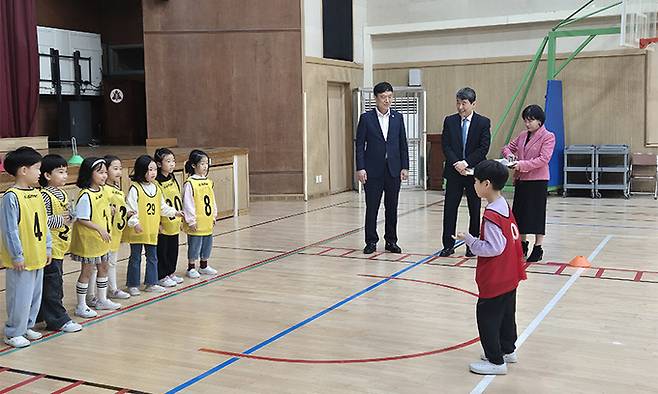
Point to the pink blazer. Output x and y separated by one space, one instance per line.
533 157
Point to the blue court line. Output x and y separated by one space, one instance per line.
303 323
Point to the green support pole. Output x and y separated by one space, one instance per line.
529 73
521 102
585 32
563 21
571 21
573 55
552 44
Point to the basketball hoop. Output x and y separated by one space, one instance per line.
645 42
639 19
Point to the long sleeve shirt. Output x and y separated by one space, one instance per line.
189 209
54 221
9 216
493 242
150 189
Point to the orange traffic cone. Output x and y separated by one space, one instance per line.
580 261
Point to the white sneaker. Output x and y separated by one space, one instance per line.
208 271
118 294
508 358
166 282
33 335
71 326
107 305
17 341
193 274
176 279
91 302
134 291
155 289
487 368
85 312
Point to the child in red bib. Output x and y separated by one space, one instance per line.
500 267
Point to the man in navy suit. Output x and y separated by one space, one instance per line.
382 162
466 138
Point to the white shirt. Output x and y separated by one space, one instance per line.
383 122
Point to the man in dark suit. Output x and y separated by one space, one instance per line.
466 139
382 161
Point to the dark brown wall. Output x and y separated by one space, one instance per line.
118 22
80 15
229 73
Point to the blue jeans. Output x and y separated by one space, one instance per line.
199 247
134 262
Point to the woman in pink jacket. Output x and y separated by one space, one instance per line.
532 150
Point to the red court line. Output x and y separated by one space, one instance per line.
69 387
638 276
460 262
560 269
122 391
374 256
599 272
3 370
402 258
346 361
325 251
21 384
348 252
425 282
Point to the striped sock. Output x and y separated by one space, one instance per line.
101 285
81 291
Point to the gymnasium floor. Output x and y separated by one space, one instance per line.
306 312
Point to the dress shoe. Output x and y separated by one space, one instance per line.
447 252
524 247
469 253
370 248
393 247
536 255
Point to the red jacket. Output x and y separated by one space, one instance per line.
501 274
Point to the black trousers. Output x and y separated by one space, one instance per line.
52 310
375 187
455 189
496 319
167 252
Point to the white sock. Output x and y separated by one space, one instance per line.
101 284
81 291
112 275
91 292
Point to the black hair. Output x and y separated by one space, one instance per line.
195 157
48 164
534 112
110 158
492 171
24 156
382 87
466 94
141 168
87 168
159 156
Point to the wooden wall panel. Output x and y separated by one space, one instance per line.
604 94
229 73
317 74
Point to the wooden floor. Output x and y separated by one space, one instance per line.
306 312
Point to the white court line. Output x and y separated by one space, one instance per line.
486 381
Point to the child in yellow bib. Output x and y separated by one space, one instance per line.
119 222
169 226
90 243
25 246
145 199
200 213
54 173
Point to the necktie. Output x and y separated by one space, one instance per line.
464 135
